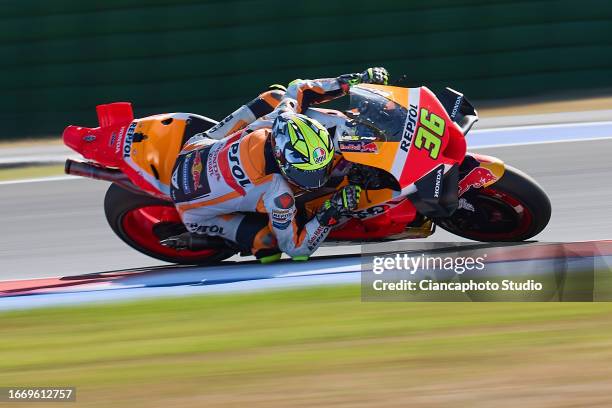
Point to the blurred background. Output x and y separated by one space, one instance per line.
62 58
306 346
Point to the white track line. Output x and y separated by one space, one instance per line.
520 135
38 180
538 142
547 126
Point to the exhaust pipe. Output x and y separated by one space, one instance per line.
89 170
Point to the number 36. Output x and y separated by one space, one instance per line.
430 133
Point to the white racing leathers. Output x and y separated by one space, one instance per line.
216 184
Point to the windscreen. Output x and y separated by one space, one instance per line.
377 116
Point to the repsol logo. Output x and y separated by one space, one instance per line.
207 229
438 183
129 137
235 168
411 126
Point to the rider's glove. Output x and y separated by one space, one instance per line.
376 75
339 204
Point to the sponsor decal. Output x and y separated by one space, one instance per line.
369 147
438 186
237 171
319 155
350 146
284 200
119 139
89 138
465 205
127 145
212 164
282 218
113 139
370 212
477 178
317 237
196 171
411 125
206 229
185 179
363 147
280 225
456 107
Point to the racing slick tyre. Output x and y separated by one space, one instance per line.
515 208
141 221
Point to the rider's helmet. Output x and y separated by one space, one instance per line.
303 149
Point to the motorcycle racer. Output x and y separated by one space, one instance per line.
223 177
405 146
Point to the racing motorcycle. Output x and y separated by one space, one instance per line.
410 157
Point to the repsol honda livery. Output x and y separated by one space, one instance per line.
408 155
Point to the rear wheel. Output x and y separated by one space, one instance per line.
515 208
141 221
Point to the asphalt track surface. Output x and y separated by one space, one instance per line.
58 228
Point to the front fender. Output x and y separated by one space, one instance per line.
479 171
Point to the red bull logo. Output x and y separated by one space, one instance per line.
477 178
196 171
369 147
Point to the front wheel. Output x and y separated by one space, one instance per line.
141 221
515 208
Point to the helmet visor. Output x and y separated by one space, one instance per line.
307 179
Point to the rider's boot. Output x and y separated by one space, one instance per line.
265 247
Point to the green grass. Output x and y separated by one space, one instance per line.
208 349
31 172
